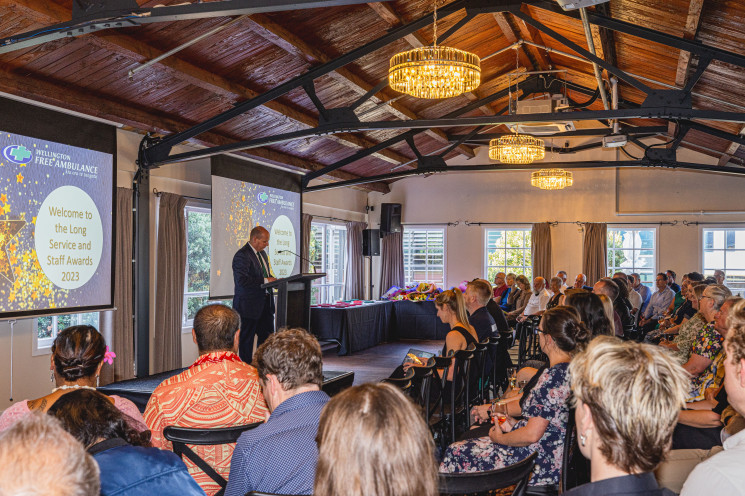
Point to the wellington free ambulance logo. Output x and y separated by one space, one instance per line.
18 154
263 197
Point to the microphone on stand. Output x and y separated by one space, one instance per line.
310 264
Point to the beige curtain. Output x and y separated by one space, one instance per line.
305 243
123 329
169 293
540 248
354 280
391 261
595 252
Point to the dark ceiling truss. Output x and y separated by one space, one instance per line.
542 165
674 104
89 16
665 104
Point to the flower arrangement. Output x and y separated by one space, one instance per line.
422 291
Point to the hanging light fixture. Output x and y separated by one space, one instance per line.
551 179
517 149
434 71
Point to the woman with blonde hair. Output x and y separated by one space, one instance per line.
372 441
627 397
610 313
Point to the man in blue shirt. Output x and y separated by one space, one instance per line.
280 456
658 305
643 291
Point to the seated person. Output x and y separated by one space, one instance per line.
658 304
500 287
705 357
477 295
128 464
538 300
518 300
78 354
218 390
723 473
689 331
544 411
280 455
643 290
621 306
562 274
372 440
627 397
634 298
38 458
504 302
591 311
580 282
554 286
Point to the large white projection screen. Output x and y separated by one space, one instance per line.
239 206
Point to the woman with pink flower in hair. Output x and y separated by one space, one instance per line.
544 411
78 354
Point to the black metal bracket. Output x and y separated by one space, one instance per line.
678 99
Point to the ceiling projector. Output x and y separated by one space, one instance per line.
578 4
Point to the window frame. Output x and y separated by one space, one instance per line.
428 227
485 248
43 346
702 250
637 227
325 288
200 207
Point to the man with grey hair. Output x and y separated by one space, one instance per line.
538 300
580 282
719 276
38 457
562 274
279 457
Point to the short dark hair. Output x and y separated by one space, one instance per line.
215 327
78 351
293 355
672 273
663 275
591 311
91 417
612 287
695 276
563 324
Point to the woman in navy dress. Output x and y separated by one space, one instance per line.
544 414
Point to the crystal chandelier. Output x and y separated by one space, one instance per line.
551 179
434 71
517 149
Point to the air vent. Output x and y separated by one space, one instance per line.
542 128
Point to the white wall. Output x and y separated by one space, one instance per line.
644 195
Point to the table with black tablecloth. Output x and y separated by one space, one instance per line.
355 327
417 320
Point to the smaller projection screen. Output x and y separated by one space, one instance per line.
245 195
56 222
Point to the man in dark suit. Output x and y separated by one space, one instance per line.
255 305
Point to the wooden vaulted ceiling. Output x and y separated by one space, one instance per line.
89 74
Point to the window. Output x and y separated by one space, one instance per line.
424 255
48 327
724 249
198 251
633 250
328 252
508 250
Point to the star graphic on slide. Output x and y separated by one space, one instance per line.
8 230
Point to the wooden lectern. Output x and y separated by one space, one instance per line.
293 300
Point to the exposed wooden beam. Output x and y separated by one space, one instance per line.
60 95
386 12
695 7
607 38
132 48
532 34
510 33
731 150
348 77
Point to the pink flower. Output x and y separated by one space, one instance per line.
109 356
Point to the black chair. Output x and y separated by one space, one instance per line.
452 403
421 388
575 468
478 367
502 361
529 347
181 436
404 383
477 483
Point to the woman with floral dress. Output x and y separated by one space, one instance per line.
544 413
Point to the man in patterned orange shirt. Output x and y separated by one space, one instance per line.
218 390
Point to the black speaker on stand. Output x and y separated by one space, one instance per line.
371 242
